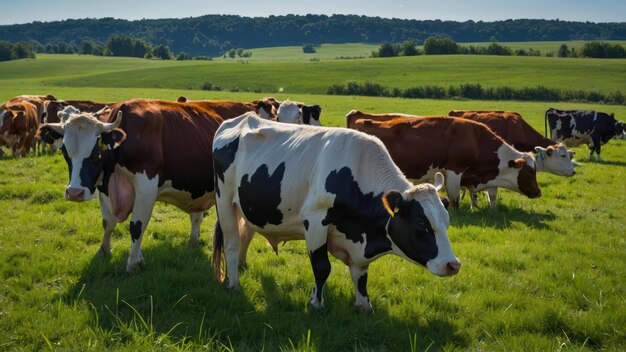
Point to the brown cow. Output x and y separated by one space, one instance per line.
550 157
469 153
460 113
228 109
18 125
147 150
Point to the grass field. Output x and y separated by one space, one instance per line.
544 274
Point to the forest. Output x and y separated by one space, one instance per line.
216 34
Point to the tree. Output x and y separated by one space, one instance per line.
6 50
21 50
86 47
563 51
440 45
308 49
231 53
408 48
162 52
183 56
387 50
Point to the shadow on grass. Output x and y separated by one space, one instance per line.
177 295
606 162
501 217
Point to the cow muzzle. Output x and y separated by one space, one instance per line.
446 267
75 194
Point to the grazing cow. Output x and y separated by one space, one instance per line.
576 127
147 150
298 113
468 152
228 109
550 157
335 188
460 113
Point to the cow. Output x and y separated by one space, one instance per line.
336 188
18 126
460 113
228 109
96 107
298 113
468 152
576 127
550 157
146 150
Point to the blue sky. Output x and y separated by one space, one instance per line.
24 11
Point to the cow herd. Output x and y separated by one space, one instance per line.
270 167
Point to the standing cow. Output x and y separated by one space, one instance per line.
335 188
298 113
576 127
147 150
550 157
469 153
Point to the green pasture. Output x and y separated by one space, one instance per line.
323 52
48 71
544 47
537 275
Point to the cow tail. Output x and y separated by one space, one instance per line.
545 123
218 252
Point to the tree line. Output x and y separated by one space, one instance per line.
213 35
443 45
19 50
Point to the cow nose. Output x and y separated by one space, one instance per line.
75 194
453 267
573 172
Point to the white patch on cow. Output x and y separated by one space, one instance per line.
145 196
289 112
507 176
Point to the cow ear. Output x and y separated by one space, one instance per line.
113 139
517 163
540 151
47 134
392 201
571 153
549 151
439 181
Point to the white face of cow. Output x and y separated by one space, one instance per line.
419 228
517 171
81 150
555 159
289 112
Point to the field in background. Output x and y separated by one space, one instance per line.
544 47
544 274
47 71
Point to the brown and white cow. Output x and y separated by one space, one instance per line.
550 157
146 150
460 113
18 126
469 153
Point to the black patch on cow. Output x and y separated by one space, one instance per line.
49 135
321 268
135 229
354 213
362 285
67 160
411 231
306 225
222 159
310 112
259 196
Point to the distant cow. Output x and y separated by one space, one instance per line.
576 127
18 125
469 153
550 157
460 113
147 150
335 188
298 113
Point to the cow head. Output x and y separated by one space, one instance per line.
311 115
289 112
619 129
555 159
526 170
52 109
84 137
418 227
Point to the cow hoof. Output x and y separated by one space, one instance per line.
317 306
135 267
193 242
104 252
365 308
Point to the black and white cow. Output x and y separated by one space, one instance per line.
576 127
336 188
298 113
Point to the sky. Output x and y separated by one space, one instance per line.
25 11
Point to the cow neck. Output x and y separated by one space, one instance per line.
388 175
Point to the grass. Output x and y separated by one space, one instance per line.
543 274
603 75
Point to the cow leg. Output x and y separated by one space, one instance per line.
474 198
229 224
359 278
453 187
145 196
196 221
108 223
317 245
245 234
492 193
